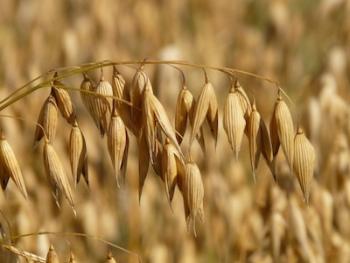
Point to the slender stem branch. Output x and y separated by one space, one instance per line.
76 234
66 72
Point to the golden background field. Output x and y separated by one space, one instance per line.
305 45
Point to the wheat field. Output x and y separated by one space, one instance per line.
174 131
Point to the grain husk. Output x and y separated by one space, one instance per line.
10 167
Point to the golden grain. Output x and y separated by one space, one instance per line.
78 154
10 167
205 107
304 162
184 109
234 122
194 194
48 119
285 129
64 101
56 174
118 145
52 256
255 139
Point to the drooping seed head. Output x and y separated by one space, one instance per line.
72 258
144 159
184 109
48 119
9 167
110 258
194 194
285 130
234 122
77 153
139 83
304 162
88 86
102 105
206 107
55 173
118 84
171 161
52 256
117 141
64 101
244 99
254 137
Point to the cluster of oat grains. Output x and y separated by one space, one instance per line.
119 109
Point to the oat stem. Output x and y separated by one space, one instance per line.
76 234
66 72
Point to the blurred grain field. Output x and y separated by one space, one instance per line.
304 45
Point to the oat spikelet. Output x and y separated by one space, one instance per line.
194 194
156 113
304 162
48 119
144 159
206 107
118 84
139 83
110 258
277 230
72 258
234 122
88 99
285 129
118 143
149 125
184 109
266 148
30 257
171 162
244 99
275 141
52 256
121 91
254 137
78 154
56 173
10 167
103 104
64 101
298 229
